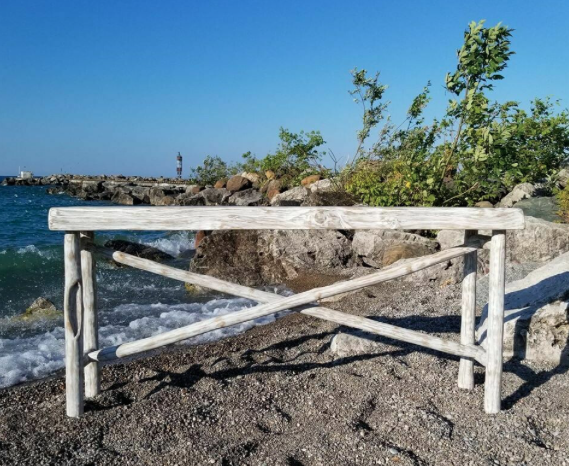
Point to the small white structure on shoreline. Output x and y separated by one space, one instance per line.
24 174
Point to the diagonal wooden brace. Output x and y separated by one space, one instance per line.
275 303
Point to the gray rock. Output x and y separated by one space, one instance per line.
124 199
292 197
445 273
214 196
379 248
563 177
540 241
137 249
193 189
264 257
190 199
536 324
41 308
520 191
92 186
322 186
161 196
247 197
545 208
254 178
141 193
450 238
354 343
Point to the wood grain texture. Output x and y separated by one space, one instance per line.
467 323
362 323
72 309
90 318
282 218
198 328
494 347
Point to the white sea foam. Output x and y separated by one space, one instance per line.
33 249
29 358
175 244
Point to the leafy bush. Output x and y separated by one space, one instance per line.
295 158
211 170
477 151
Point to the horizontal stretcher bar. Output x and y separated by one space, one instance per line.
276 303
283 218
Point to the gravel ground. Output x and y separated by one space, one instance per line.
276 396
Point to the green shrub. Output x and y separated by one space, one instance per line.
477 151
295 158
211 170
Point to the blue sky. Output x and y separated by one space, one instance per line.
122 86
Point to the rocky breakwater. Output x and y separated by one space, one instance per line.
245 189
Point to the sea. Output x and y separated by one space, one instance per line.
132 304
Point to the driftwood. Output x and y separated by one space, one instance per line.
283 218
493 384
467 323
198 328
80 286
72 310
470 351
90 319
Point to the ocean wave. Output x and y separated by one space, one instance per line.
175 244
27 358
32 249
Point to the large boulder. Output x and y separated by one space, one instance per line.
41 308
162 196
292 197
321 186
520 191
238 183
545 207
124 199
380 248
194 189
156 196
141 193
329 198
190 199
264 257
563 177
247 197
254 178
539 241
137 249
214 196
310 180
353 343
220 183
536 323
92 187
450 238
